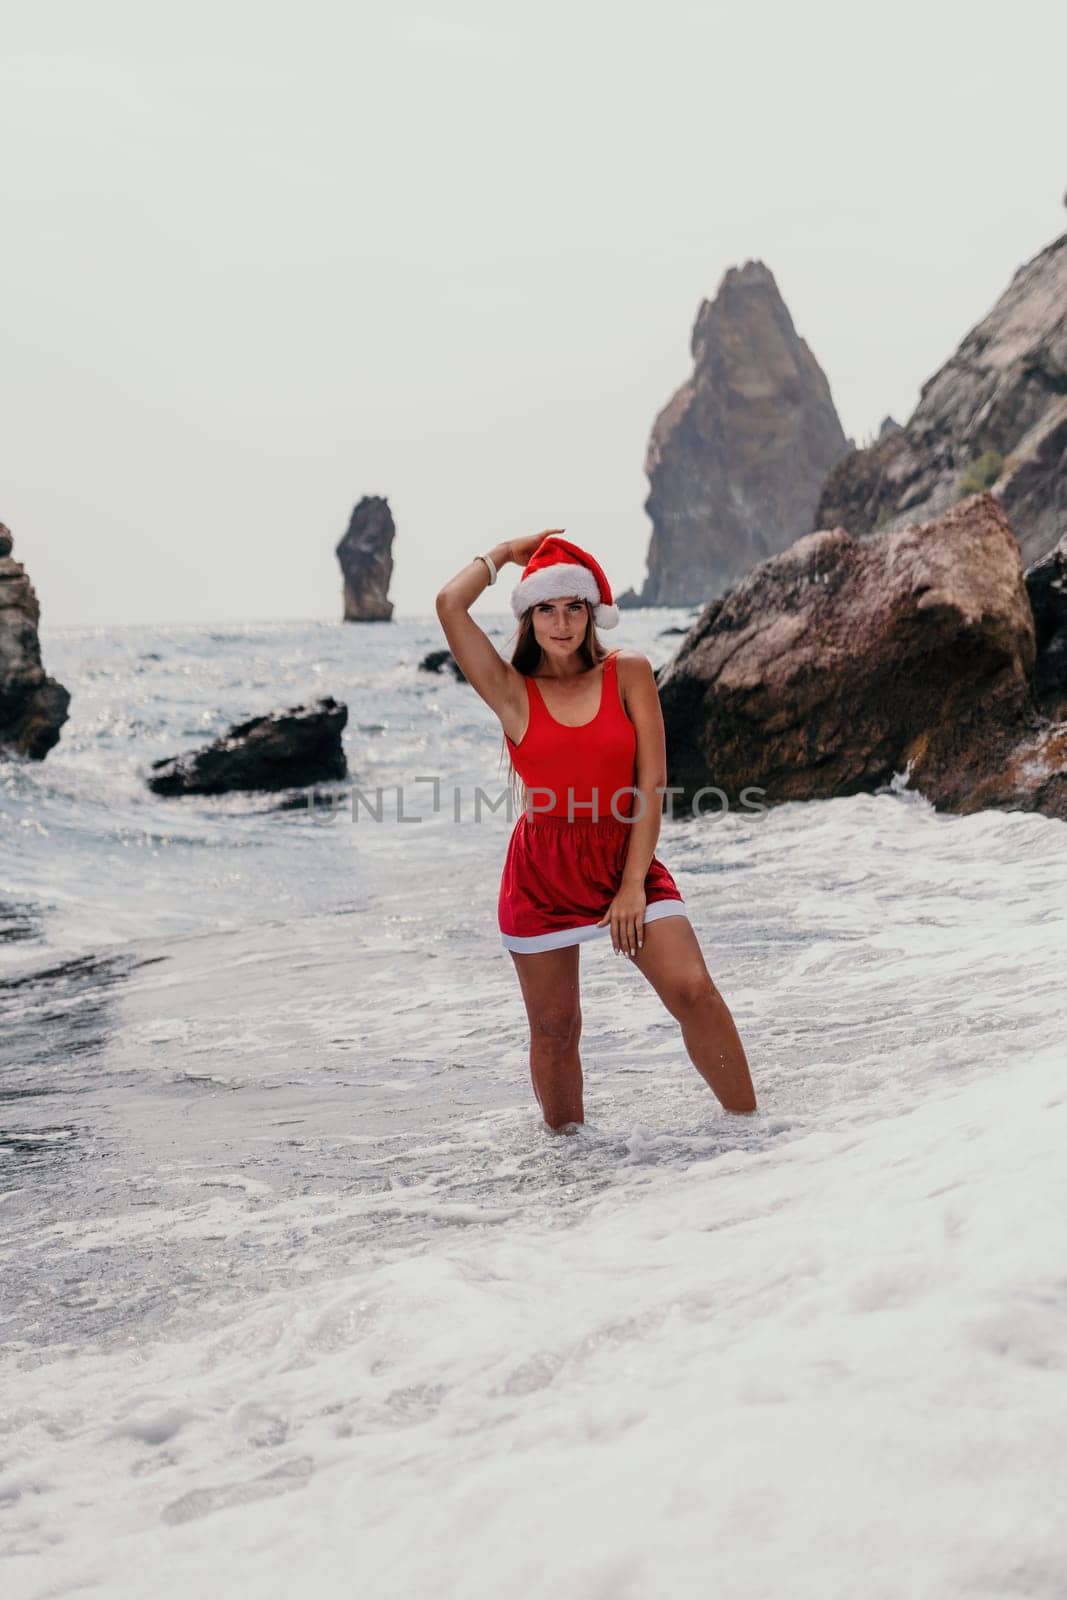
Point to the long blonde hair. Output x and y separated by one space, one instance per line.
526 658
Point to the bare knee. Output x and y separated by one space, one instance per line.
690 993
556 1031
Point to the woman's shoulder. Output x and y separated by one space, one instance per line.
629 660
631 666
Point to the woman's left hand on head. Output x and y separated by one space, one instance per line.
626 914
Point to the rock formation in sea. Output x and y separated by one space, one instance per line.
283 750
366 557
842 662
993 417
33 706
439 661
739 454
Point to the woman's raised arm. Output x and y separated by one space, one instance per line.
480 661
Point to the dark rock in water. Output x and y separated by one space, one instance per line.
739 454
33 706
993 417
366 557
437 660
663 632
1046 584
841 663
629 600
283 750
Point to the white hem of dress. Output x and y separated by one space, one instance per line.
589 930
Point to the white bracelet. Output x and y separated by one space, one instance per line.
489 564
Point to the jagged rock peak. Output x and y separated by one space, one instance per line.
366 556
738 455
735 282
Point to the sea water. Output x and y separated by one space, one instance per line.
298 1295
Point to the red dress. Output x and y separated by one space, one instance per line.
564 863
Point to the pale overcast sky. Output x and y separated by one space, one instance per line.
262 258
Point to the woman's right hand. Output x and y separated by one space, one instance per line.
522 549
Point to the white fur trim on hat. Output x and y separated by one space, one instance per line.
564 578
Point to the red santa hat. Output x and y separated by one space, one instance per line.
557 568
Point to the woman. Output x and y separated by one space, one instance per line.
585 732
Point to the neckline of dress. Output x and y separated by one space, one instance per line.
575 726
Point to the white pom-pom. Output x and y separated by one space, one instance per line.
607 616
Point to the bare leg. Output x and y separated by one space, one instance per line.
549 983
671 960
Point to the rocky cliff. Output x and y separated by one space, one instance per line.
739 454
993 417
366 557
33 706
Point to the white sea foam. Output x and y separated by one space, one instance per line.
299 1294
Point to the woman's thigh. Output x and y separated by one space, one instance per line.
549 983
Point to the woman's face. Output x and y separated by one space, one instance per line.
559 625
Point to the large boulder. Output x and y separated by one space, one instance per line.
993 417
366 557
842 662
33 706
739 454
283 750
